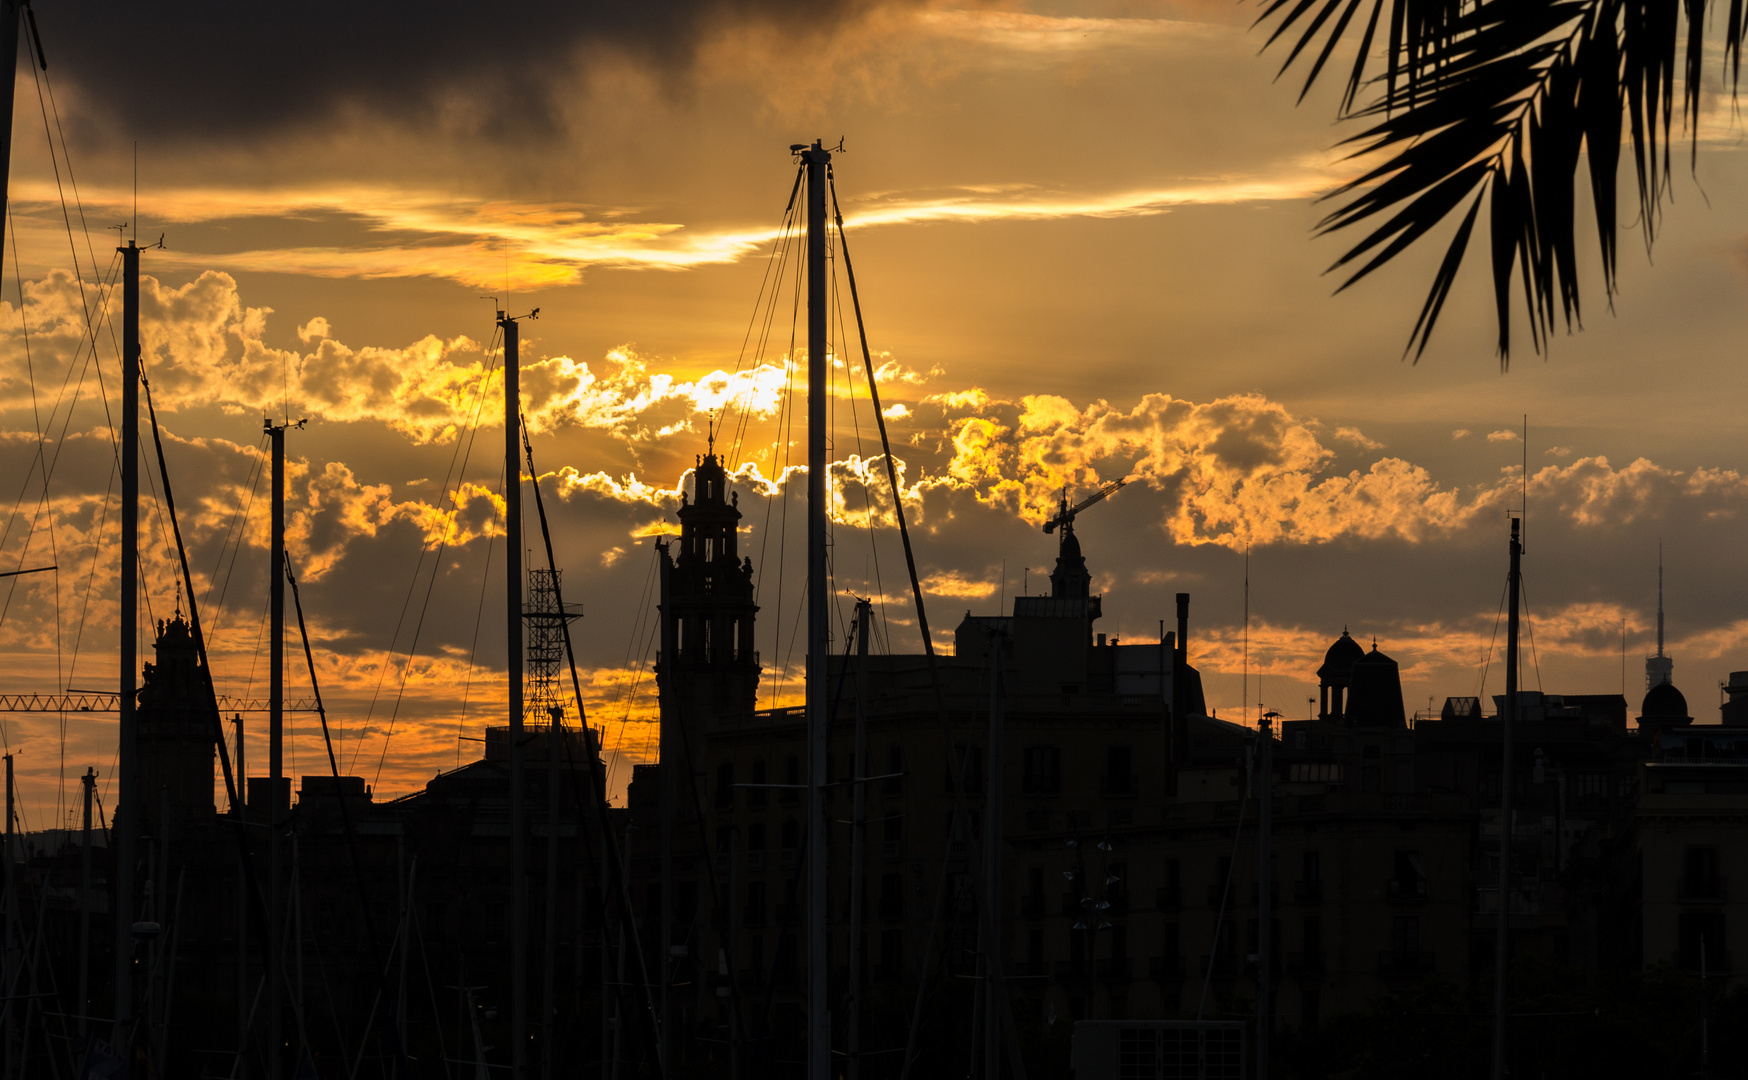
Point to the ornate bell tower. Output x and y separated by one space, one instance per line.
713 670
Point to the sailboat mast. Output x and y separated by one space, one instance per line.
88 783
11 12
14 950
819 1025
127 793
275 757
513 641
1502 925
858 840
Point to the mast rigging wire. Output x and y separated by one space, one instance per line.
347 827
457 475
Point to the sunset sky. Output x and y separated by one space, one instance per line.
1083 239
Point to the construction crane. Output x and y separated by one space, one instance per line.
1065 516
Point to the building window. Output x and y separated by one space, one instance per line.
1310 999
791 776
791 834
1310 867
1119 778
756 836
891 954
1700 879
1035 953
894 782
968 762
725 785
892 896
1404 939
1117 887
1170 895
1701 934
756 795
1371 772
1408 881
754 912
1314 772
1043 770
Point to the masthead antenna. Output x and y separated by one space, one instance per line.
1659 598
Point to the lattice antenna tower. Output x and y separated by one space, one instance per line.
544 650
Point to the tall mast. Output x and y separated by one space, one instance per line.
1265 870
513 641
88 783
819 1024
1502 932
275 757
858 838
668 755
10 13
14 951
1659 598
992 835
127 793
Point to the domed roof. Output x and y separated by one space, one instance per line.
1376 699
1339 660
1664 702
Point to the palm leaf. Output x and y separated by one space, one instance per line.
1505 102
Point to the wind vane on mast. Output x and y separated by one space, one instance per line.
1065 516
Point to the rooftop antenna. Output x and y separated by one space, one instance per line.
1244 707
1659 598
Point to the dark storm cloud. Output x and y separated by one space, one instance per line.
209 69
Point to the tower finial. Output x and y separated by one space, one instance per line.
710 438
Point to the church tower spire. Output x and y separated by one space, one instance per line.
714 670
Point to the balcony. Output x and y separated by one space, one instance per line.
1112 970
1703 891
1309 962
1165 969
1308 893
890 850
755 861
1407 890
786 858
1037 821
1397 962
1168 898
891 908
